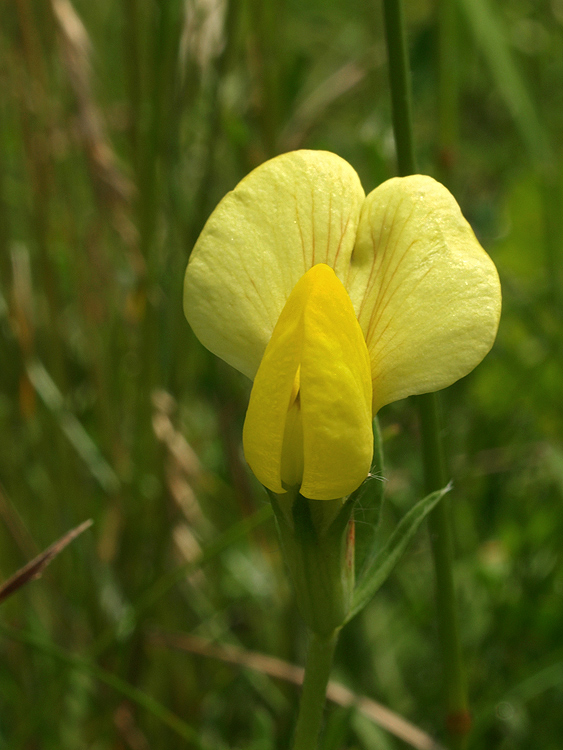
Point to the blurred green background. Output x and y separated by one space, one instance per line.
122 123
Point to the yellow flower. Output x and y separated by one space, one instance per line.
336 304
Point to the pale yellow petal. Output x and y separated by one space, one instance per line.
426 294
292 212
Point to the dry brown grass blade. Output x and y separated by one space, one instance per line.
184 473
21 312
179 448
273 667
313 108
113 189
34 569
22 320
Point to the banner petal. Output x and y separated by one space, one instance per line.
426 294
292 212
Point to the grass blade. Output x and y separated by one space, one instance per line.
143 700
490 37
34 569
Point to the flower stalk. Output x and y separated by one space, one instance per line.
457 720
317 672
318 548
317 539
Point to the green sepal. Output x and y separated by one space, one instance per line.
380 565
318 550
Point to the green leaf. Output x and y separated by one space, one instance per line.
381 565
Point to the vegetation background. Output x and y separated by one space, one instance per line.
121 126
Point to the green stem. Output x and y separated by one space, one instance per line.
432 444
439 523
448 95
399 78
317 672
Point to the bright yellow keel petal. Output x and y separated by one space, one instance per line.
335 393
318 335
271 396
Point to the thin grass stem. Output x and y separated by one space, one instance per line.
432 445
